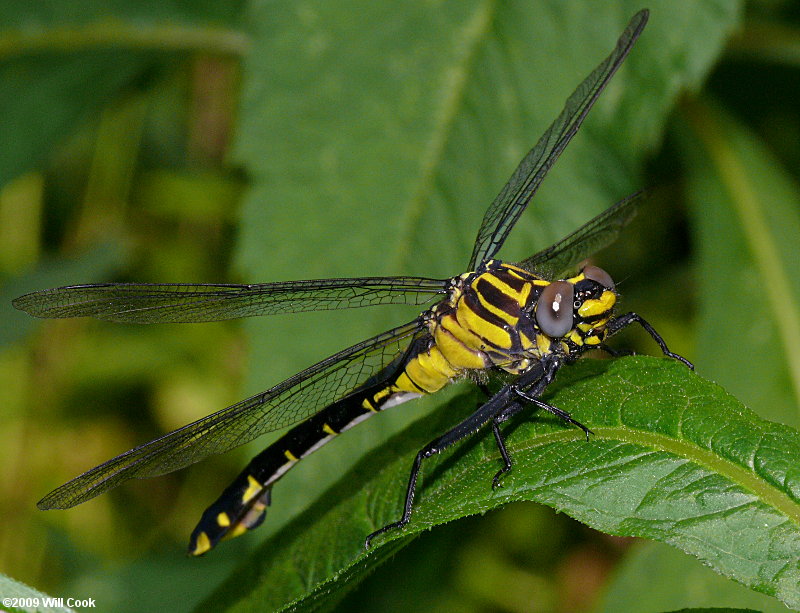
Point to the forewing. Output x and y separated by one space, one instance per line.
287 403
185 303
517 193
585 241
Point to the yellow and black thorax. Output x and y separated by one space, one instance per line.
502 316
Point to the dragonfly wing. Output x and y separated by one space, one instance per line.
186 303
503 213
585 241
289 402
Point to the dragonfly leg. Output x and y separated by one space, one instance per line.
501 445
530 394
469 426
497 409
561 413
426 452
623 321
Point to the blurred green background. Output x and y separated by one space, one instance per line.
225 142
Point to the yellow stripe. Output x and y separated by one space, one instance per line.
328 430
598 306
525 294
237 530
253 488
506 317
543 344
518 272
290 456
478 325
439 362
527 344
575 337
203 544
424 375
368 405
380 395
460 333
502 287
454 350
404 383
223 521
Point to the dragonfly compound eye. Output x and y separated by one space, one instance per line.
599 275
554 309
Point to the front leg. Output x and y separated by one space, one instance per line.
501 445
561 413
623 321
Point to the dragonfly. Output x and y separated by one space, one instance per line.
520 319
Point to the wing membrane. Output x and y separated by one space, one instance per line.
289 402
503 213
186 303
583 242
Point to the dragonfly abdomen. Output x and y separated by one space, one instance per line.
243 505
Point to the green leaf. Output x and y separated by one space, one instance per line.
395 126
673 458
747 214
16 591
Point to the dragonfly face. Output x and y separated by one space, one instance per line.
498 317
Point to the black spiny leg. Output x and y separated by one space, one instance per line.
501 445
617 324
497 409
426 452
530 393
554 410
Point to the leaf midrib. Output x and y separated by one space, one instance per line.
689 451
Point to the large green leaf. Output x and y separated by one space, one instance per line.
674 458
395 126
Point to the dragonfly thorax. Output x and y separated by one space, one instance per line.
506 317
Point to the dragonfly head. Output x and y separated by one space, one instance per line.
578 308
